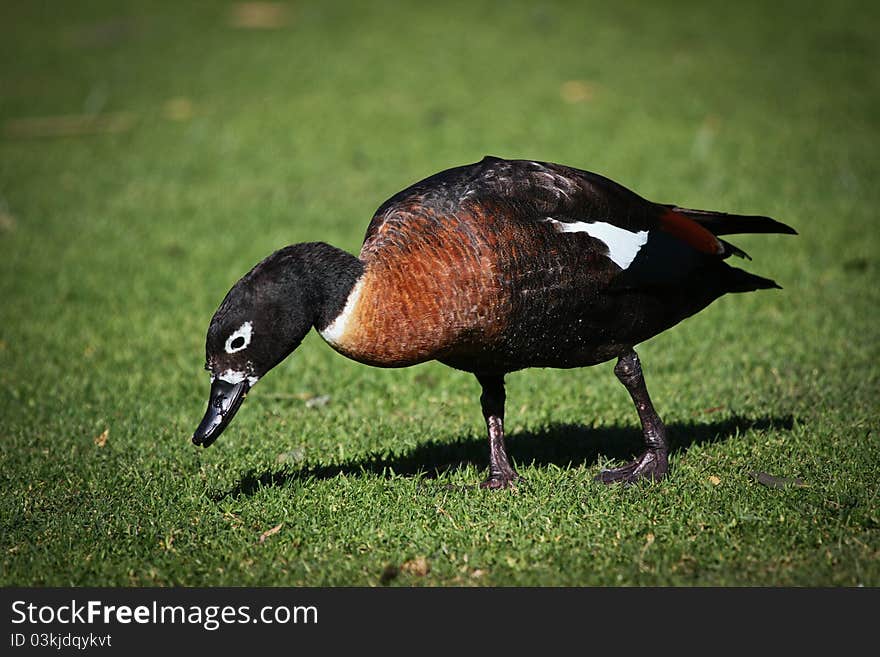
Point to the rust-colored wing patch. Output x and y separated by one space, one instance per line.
690 231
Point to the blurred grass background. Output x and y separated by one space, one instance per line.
152 152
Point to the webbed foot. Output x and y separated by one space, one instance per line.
505 480
652 465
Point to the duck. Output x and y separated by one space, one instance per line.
489 268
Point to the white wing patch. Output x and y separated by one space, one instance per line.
336 329
245 331
623 245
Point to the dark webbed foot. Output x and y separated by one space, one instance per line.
507 480
652 465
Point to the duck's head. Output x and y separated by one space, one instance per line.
263 318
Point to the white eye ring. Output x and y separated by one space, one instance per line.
244 332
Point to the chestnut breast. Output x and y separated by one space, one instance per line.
429 284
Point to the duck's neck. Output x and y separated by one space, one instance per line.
331 274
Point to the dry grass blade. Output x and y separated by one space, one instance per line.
7 222
178 109
101 439
258 15
269 532
70 125
317 402
418 566
577 91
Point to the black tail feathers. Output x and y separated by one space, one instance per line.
738 280
721 223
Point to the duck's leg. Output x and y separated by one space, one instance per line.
501 473
652 464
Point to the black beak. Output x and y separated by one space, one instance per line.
226 398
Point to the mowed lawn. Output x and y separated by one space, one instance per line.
151 153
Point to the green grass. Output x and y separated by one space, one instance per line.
116 248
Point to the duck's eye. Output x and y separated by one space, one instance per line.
240 338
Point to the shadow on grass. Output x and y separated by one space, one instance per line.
565 445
